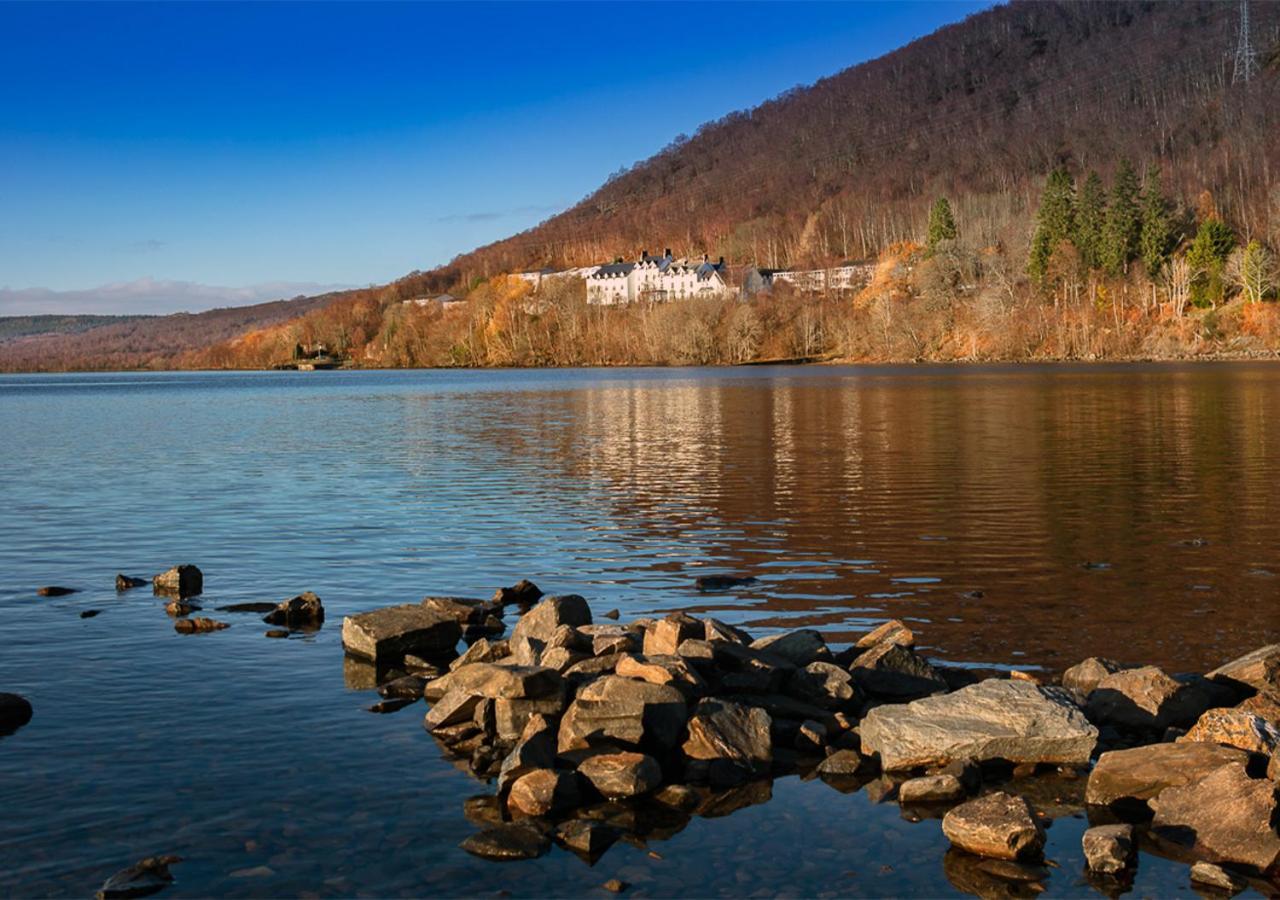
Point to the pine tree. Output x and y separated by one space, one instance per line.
1156 235
1121 233
1053 222
942 225
1091 212
1207 257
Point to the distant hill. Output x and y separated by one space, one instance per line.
13 327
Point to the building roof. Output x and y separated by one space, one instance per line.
615 269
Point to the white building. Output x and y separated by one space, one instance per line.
538 276
655 279
816 281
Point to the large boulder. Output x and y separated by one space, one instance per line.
894 672
1130 778
995 719
1145 700
719 729
15 711
1258 670
666 635
302 611
501 682
541 622
999 825
386 635
613 709
182 581
1225 817
625 774
1235 728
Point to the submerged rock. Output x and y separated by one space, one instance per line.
15 711
1129 778
1218 878
53 590
180 607
262 607
617 775
509 841
198 626
1225 817
999 825
127 582
1109 849
89 613
386 635
140 879
302 611
182 581
722 582
995 719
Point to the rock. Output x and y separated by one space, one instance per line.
1258 670
892 632
536 749
842 763
811 737
483 650
454 708
180 607
89 613
719 729
1084 676
392 705
1109 849
587 837
1264 705
522 593
1225 817
302 611
140 879
15 711
722 582
614 886
1218 878
931 789
198 626
500 682
999 825
541 622
508 841
666 635
715 630
892 671
1129 778
386 635
620 710
561 659
247 607
465 610
824 683
1143 700
183 581
624 642
52 590
511 716
797 647
1235 728
995 719
669 670
617 775
677 796
993 879
276 633
407 687
544 791
427 668
127 582
589 669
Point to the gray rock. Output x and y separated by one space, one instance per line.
995 719
715 630
302 611
1130 778
541 622
543 792
15 711
1109 849
931 789
454 708
483 650
1224 817
1218 878
509 841
797 647
1084 676
386 635
1259 670
140 879
666 635
895 672
842 763
620 710
719 729
1144 700
502 682
999 826
182 581
617 775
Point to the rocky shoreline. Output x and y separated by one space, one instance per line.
589 733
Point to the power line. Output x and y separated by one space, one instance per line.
1246 58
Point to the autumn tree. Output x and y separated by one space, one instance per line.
1253 269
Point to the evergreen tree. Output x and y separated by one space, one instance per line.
1156 236
1207 257
1053 222
942 226
1122 231
1091 212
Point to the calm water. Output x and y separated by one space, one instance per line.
854 494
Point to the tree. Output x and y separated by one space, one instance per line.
1091 212
1122 227
1207 257
1156 235
1253 270
1053 222
942 225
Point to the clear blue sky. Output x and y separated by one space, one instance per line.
239 144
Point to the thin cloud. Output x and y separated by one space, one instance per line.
150 296
490 216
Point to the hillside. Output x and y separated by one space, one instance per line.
14 327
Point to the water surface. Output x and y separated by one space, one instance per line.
1017 517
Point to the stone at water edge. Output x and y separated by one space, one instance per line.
1084 676
541 622
184 581
180 607
140 879
1130 778
619 710
128 582
509 841
797 647
388 634
1225 817
1258 669
999 825
544 791
895 672
1235 728
302 611
892 632
454 708
995 719
506 682
198 626
931 789
842 763
722 582
1145 700
720 729
522 593
1216 877
618 775
1109 849
15 711
53 590
408 687
587 836
666 635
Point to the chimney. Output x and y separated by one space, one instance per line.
720 265
704 257
667 253
644 254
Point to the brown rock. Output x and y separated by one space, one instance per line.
140 879
465 610
536 749
587 837
405 687
1235 728
197 626
1109 849
1225 817
1132 777
796 647
719 729
182 581
127 582
895 672
613 709
454 708
544 791
510 717
669 670
842 763
1218 878
179 607
54 590
1259 670
618 775
302 611
715 630
999 825
541 622
1144 699
931 789
1265 705
892 632
387 634
502 682
1084 676
522 593
483 650
666 635
509 841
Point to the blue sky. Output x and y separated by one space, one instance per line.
236 145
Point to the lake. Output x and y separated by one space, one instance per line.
1016 517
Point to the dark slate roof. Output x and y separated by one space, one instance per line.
615 269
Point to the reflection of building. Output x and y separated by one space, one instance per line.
656 279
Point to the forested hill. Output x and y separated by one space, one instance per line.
979 111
